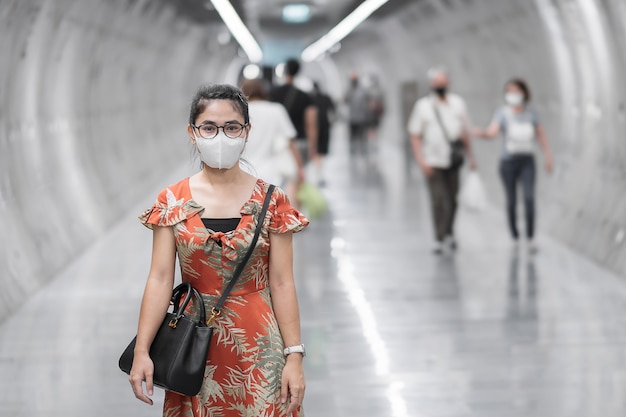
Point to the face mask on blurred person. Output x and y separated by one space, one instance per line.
513 99
440 91
220 152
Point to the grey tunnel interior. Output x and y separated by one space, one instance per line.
94 103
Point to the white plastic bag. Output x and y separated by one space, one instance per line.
473 194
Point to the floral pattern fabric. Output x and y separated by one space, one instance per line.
245 361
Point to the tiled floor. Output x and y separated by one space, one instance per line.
391 329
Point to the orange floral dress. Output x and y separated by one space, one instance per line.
245 361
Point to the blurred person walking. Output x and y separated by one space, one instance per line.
271 148
357 99
439 130
376 107
519 126
325 117
301 110
208 220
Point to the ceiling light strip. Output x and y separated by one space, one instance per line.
343 29
238 29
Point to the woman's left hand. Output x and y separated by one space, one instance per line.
292 383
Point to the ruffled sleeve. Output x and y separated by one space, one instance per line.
168 210
284 217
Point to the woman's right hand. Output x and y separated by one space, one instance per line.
142 370
492 131
478 132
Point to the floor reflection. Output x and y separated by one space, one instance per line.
522 288
391 330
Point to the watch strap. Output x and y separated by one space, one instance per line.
295 349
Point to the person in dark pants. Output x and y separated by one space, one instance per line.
437 122
520 169
357 99
518 125
325 116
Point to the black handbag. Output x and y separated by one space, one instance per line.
457 147
180 348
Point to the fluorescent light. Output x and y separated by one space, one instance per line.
251 71
238 29
342 29
280 70
296 13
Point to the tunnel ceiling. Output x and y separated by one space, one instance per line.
264 18
201 11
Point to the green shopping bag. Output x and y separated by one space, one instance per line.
312 200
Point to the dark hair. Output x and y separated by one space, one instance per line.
254 90
522 85
292 67
210 92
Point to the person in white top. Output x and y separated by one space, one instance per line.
439 129
271 150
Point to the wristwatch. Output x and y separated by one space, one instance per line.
295 349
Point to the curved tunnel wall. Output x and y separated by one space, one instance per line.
94 99
93 108
573 53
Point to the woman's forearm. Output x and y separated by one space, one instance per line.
283 288
543 141
492 131
154 306
158 291
287 313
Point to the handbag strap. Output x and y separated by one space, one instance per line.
440 122
215 311
179 308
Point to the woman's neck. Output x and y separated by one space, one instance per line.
221 177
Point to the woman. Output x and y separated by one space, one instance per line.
519 126
208 220
271 148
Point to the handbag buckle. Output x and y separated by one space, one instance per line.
173 323
214 314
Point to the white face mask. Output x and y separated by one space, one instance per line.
221 152
513 99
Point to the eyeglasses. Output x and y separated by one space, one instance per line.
231 130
